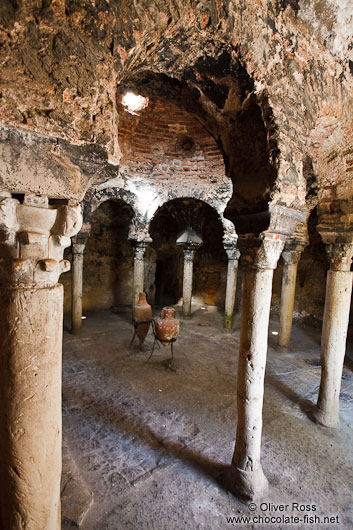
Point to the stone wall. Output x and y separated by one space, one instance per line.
108 260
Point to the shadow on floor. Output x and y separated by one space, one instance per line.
134 427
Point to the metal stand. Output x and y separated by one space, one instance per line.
170 362
135 324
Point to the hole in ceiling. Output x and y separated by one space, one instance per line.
134 103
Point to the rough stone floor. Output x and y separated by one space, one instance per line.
146 448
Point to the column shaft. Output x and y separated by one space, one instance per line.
76 288
333 345
287 303
232 273
256 300
30 412
187 282
248 479
138 281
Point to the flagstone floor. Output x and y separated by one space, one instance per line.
147 448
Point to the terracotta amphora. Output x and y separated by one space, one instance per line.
142 316
167 326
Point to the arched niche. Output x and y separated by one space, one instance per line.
108 258
210 260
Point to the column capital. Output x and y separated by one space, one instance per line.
339 245
78 249
291 257
189 252
232 254
82 237
231 249
340 256
263 252
33 236
292 251
140 248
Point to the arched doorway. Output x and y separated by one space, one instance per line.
210 260
108 258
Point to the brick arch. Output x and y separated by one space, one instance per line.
229 233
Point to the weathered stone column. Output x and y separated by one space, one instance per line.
139 270
247 477
33 236
189 254
233 259
190 241
334 332
76 286
291 256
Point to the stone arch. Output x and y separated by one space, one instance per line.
172 218
229 233
220 84
108 255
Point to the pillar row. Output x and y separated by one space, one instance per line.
33 238
247 477
334 332
291 257
233 256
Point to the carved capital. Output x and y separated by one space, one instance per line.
291 257
292 251
264 252
189 253
232 254
140 249
33 236
285 220
231 249
77 249
82 237
340 256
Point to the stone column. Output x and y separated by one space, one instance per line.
189 254
33 236
233 258
291 257
248 479
334 333
76 286
139 270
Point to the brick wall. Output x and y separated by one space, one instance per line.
167 145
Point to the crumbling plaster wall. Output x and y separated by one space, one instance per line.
108 260
62 64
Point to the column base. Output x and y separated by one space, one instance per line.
228 321
325 418
76 330
248 484
284 344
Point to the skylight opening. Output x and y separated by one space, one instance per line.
134 103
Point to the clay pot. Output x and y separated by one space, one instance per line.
142 316
167 326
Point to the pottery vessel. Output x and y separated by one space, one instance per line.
142 316
167 326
